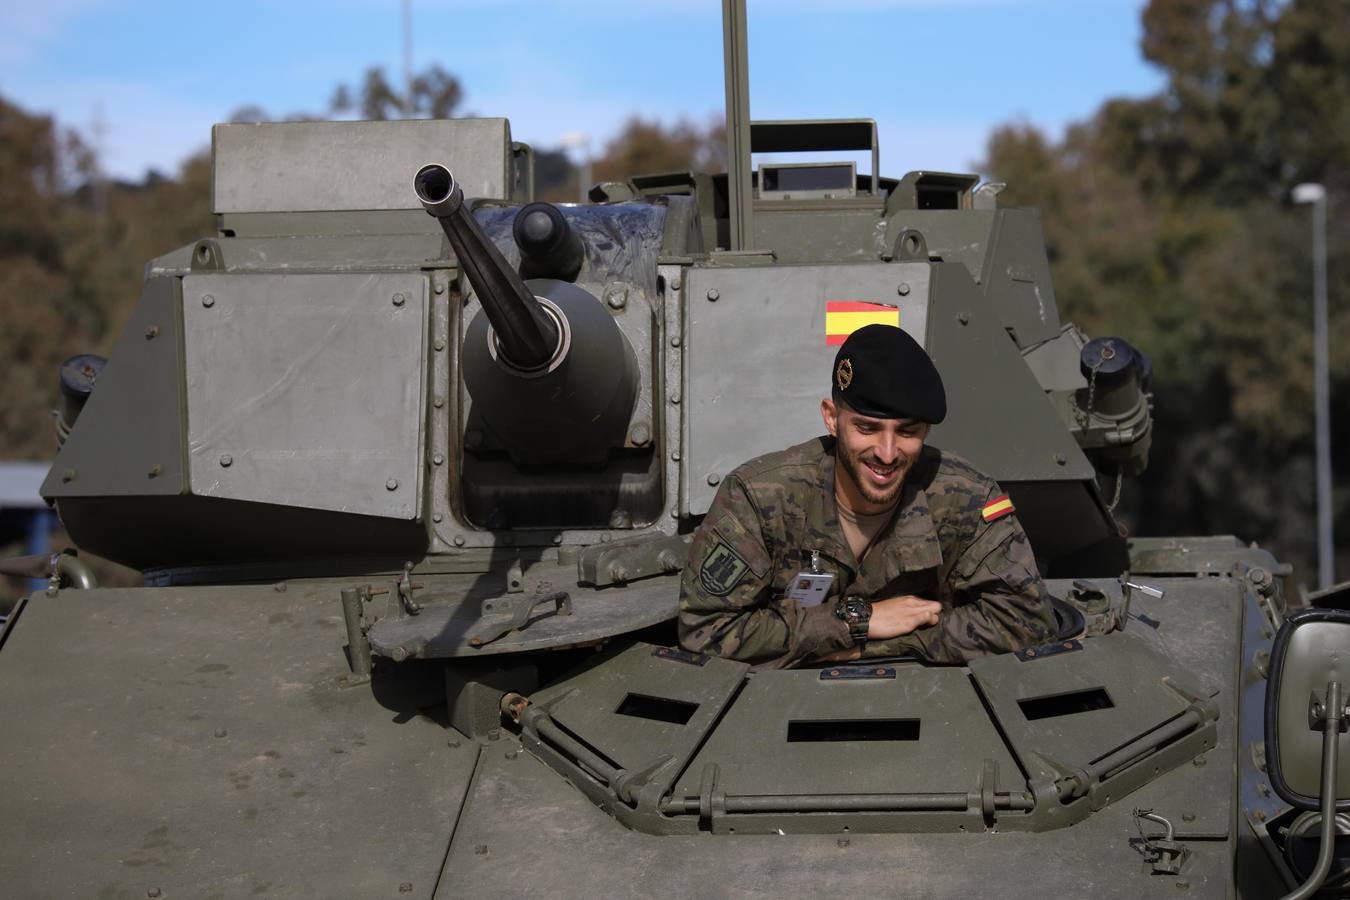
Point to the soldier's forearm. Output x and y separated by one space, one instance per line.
766 635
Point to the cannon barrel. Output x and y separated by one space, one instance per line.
526 334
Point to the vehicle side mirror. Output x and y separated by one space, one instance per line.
1306 721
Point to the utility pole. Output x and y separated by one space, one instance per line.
407 59
1316 195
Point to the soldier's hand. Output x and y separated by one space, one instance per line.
901 615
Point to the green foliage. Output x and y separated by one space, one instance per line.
1168 223
647 147
71 261
433 94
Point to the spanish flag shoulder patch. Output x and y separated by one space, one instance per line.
997 508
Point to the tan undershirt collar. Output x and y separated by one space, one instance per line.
861 529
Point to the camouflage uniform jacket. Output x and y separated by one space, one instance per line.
770 513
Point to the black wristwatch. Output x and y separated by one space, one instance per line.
856 613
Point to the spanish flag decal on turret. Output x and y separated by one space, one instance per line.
843 317
997 508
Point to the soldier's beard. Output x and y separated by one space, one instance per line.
854 467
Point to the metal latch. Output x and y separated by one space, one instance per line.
1166 856
502 615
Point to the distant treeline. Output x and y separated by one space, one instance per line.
1168 219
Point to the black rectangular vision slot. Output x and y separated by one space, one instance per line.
1052 705
658 709
801 731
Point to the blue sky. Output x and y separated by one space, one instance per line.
937 75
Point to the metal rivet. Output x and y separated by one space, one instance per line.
842 842
675 342
605 537
155 471
153 892
675 456
437 459
1061 459
512 754
675 398
438 402
459 540
391 484
557 539
400 298
226 460
68 475
152 332
480 850
439 288
221 732
714 478
439 344
1188 817
279 587
902 289
963 318
405 887
617 299
713 294
1182 883
452 744
208 300
436 517
1199 761
675 284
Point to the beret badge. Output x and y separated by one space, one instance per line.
843 373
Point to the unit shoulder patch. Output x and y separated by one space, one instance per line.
722 570
996 508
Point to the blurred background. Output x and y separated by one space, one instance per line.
1162 141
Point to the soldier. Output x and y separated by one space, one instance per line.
864 542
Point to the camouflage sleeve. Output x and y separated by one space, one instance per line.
727 602
996 602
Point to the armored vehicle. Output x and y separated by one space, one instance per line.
411 494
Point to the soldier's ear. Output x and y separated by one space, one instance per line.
830 413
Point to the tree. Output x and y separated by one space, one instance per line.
645 147
433 94
1167 223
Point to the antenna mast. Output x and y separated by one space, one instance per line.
736 63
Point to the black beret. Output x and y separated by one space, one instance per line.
882 372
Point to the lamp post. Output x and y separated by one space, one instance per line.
1316 195
581 141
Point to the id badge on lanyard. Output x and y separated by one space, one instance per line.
812 587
